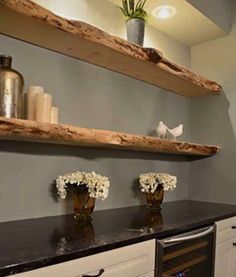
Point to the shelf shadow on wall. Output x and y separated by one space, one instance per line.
87 153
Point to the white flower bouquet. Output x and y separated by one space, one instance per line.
149 182
97 185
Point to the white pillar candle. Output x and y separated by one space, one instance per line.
31 101
54 115
43 107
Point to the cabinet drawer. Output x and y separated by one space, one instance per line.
225 229
130 261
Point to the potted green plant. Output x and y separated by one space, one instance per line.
136 17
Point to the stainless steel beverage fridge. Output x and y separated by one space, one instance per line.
190 254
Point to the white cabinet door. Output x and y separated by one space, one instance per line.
225 259
234 261
131 261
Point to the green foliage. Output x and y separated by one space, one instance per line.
130 9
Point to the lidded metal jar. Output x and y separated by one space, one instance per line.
11 89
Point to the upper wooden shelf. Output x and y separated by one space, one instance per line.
25 130
27 21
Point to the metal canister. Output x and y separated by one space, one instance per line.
11 89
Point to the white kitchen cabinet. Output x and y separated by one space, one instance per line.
234 262
225 262
224 259
150 274
137 260
224 229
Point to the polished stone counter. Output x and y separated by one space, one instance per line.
34 243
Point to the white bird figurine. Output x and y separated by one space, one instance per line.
177 131
161 130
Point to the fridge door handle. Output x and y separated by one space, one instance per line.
190 237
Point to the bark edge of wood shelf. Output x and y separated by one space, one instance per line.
32 131
80 40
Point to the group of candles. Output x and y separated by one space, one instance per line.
40 107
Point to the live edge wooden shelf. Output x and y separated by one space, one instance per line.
27 21
25 130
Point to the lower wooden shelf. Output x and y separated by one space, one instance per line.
26 130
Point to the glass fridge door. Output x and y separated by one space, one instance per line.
189 255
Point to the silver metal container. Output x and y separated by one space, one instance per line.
135 30
11 89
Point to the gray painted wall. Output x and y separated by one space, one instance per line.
92 97
214 121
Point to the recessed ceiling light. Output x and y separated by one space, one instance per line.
164 12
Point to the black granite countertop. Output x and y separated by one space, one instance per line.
34 243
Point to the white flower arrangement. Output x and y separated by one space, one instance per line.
150 181
98 185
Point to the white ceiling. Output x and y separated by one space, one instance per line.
188 26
